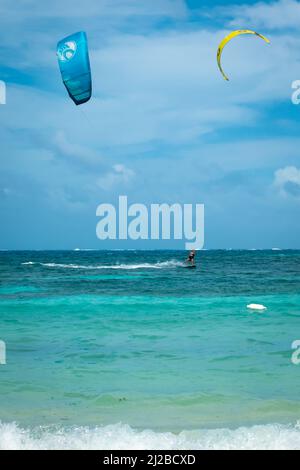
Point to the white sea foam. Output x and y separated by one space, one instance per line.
85 249
115 437
158 265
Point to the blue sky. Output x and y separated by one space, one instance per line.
163 126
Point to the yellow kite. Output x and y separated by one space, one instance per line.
228 38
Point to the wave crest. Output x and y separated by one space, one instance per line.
158 265
122 437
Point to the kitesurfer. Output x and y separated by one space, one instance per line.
191 258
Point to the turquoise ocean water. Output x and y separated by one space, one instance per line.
129 349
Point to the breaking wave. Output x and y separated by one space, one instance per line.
158 265
122 437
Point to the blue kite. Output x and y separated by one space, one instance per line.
74 64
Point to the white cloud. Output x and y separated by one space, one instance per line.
73 150
32 28
287 181
29 9
119 176
275 15
61 200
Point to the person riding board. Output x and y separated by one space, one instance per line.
191 257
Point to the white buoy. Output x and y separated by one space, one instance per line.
256 307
